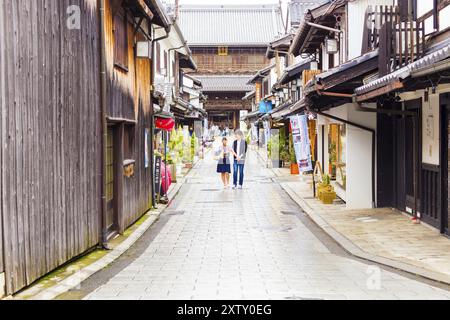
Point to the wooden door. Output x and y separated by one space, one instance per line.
111 215
413 154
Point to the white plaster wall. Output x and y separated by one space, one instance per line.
359 159
358 154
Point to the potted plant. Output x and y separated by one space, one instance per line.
325 191
193 147
274 146
295 170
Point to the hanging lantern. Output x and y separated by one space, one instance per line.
165 124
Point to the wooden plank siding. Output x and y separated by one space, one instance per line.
50 134
2 103
129 99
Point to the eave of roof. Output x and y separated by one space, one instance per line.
261 74
316 15
293 71
281 45
347 76
405 72
160 16
249 95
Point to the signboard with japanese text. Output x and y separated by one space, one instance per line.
302 144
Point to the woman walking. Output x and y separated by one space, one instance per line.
224 165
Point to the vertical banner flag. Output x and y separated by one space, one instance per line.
302 144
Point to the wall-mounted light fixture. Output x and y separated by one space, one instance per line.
331 46
144 49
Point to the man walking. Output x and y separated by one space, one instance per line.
240 148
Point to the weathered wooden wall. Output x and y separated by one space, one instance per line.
2 97
129 98
50 138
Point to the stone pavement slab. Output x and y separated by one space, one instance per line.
383 235
245 244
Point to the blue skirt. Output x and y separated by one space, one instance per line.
224 166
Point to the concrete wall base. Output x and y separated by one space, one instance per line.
2 285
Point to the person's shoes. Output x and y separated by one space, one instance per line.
241 187
234 187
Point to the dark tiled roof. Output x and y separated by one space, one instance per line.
225 83
231 25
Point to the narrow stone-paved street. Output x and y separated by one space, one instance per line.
243 244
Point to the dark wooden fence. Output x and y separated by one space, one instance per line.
400 42
50 136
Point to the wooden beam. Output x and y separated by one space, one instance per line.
381 91
145 9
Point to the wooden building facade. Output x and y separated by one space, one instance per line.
50 137
58 159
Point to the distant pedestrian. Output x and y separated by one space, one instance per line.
224 165
240 152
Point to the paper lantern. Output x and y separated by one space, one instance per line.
165 124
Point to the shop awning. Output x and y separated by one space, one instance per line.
279 112
347 76
395 80
249 95
261 74
298 107
309 38
253 116
294 71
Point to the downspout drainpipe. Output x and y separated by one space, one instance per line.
152 142
372 131
104 125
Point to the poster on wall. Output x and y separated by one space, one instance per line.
302 144
146 153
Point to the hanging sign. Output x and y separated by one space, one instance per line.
302 144
158 164
165 124
265 106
